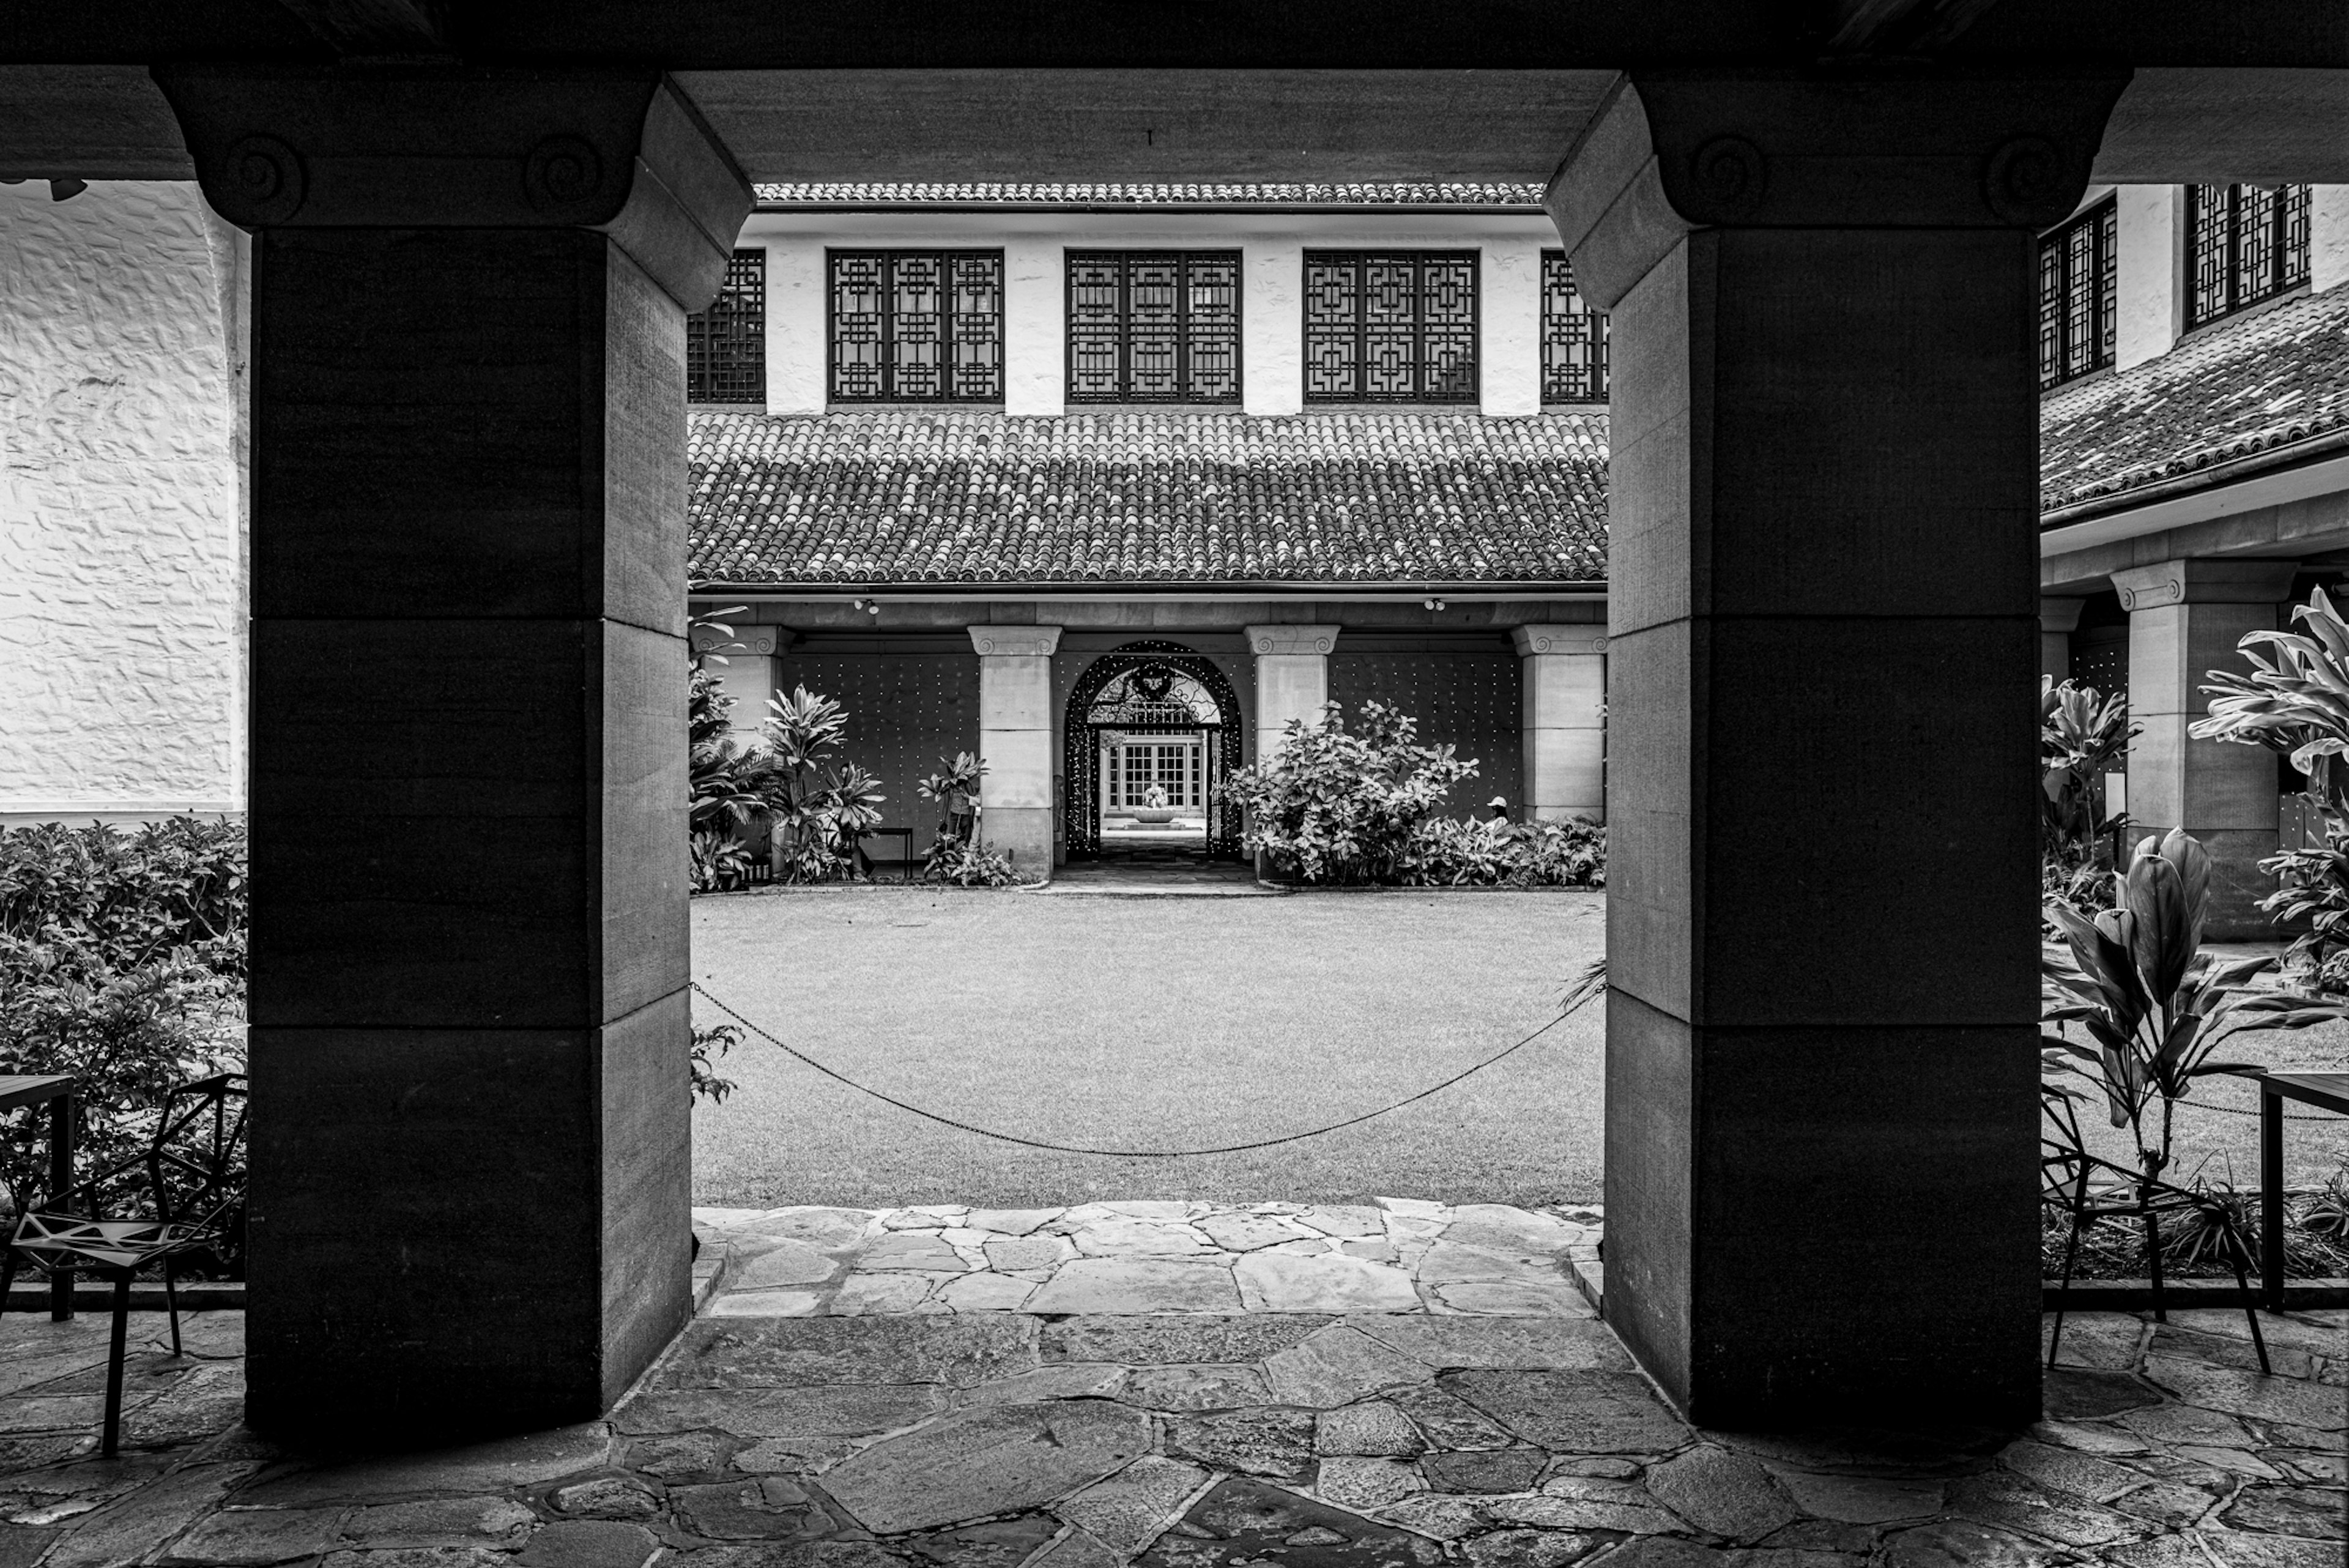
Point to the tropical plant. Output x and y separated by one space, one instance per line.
1336 805
2083 735
968 864
819 807
2295 702
724 772
2154 1005
956 789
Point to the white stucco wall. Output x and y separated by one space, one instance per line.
123 531
1272 246
2148 272
2328 236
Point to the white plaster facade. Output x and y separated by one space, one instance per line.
1035 287
122 504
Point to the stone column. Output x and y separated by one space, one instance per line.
1822 907
1565 720
2186 618
1292 679
2058 619
749 673
471 1158
1014 741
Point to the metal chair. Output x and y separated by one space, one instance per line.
193 1172
2092 1188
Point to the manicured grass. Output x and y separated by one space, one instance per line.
1171 1022
1187 1022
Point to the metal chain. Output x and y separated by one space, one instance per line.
1570 1011
2232 1111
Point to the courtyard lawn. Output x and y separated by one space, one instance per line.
1158 1023
1176 1023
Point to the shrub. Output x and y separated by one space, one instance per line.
1566 852
122 962
1346 805
955 854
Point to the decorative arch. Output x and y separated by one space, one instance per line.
1227 736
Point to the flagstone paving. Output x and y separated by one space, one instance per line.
1307 1419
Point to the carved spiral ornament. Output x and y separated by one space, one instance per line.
561 171
1730 176
267 177
2025 179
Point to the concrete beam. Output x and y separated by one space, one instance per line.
2175 122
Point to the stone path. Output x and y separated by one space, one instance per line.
1397 1255
1287 1424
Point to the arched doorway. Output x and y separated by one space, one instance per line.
1153 732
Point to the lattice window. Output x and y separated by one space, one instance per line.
1390 327
725 344
2077 297
1153 327
917 327
1573 337
2249 243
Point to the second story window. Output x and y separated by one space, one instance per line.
725 344
917 327
1390 327
2075 297
2246 243
1153 327
1573 337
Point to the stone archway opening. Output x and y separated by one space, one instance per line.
1153 730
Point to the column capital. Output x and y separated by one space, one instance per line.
1263 640
1558 639
2059 615
1003 642
754 639
621 152
2204 582
1675 150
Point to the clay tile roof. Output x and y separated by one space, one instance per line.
1422 193
907 497
2253 385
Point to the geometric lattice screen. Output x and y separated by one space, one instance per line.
1153 327
2250 243
1391 326
917 327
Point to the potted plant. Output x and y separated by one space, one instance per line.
2154 1008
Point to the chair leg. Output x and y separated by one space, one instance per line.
2250 1307
171 1302
114 1357
2064 1285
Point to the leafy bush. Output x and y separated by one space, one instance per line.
122 960
1449 852
1346 805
